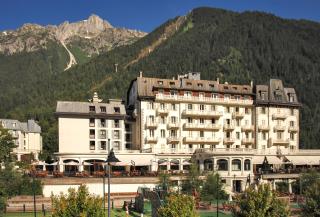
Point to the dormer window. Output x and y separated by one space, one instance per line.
235 88
211 86
92 108
116 109
226 87
189 84
103 109
172 83
291 97
200 85
160 82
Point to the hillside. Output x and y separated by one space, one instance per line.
236 47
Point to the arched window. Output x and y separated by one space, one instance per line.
208 164
222 165
236 165
247 165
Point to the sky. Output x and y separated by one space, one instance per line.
144 15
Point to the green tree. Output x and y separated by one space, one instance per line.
193 181
311 208
212 188
308 179
259 203
6 146
178 205
77 204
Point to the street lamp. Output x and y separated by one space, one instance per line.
111 159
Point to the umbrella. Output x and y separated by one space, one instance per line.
39 163
54 163
72 163
86 164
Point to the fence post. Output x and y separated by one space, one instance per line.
24 208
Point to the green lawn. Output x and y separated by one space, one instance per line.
214 214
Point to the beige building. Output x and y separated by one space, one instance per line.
27 137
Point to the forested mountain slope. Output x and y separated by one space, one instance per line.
236 47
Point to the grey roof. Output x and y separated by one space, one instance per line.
70 107
29 127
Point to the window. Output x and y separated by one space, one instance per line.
247 165
92 134
228 109
151 105
222 165
173 133
116 134
103 134
189 84
237 97
173 146
160 82
162 120
200 85
291 123
91 122
189 106
201 134
92 108
116 123
263 110
173 119
238 135
238 122
201 107
103 145
213 107
247 110
163 133
92 145
189 120
246 122
103 109
201 121
188 93
173 93
127 127
190 146
128 137
116 145
237 109
202 146
228 135
247 135
228 121
292 111
116 109
162 106
264 136
213 121
151 133
128 146
263 95
173 107
292 136
102 123
151 118
214 95
171 83
279 135
236 165
201 95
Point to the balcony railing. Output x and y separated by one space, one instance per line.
162 111
280 115
237 115
263 127
162 97
293 129
247 128
151 124
280 141
229 140
279 128
91 136
151 139
173 125
203 113
247 141
203 140
225 150
103 136
173 139
202 126
228 127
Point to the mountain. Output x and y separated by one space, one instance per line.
236 47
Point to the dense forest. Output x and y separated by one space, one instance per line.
236 47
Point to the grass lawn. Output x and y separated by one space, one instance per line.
214 214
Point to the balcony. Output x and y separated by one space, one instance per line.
280 115
279 128
92 136
172 125
280 141
228 127
229 140
151 124
162 111
263 127
247 141
202 140
247 128
293 129
225 101
237 115
152 139
173 139
102 136
208 127
201 113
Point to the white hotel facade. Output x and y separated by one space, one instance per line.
166 122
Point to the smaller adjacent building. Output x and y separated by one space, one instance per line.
27 137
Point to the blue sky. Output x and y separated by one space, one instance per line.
144 15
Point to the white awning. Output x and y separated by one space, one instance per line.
271 160
304 160
135 159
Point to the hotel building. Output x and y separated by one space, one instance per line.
27 137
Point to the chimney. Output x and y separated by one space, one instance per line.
218 80
141 74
